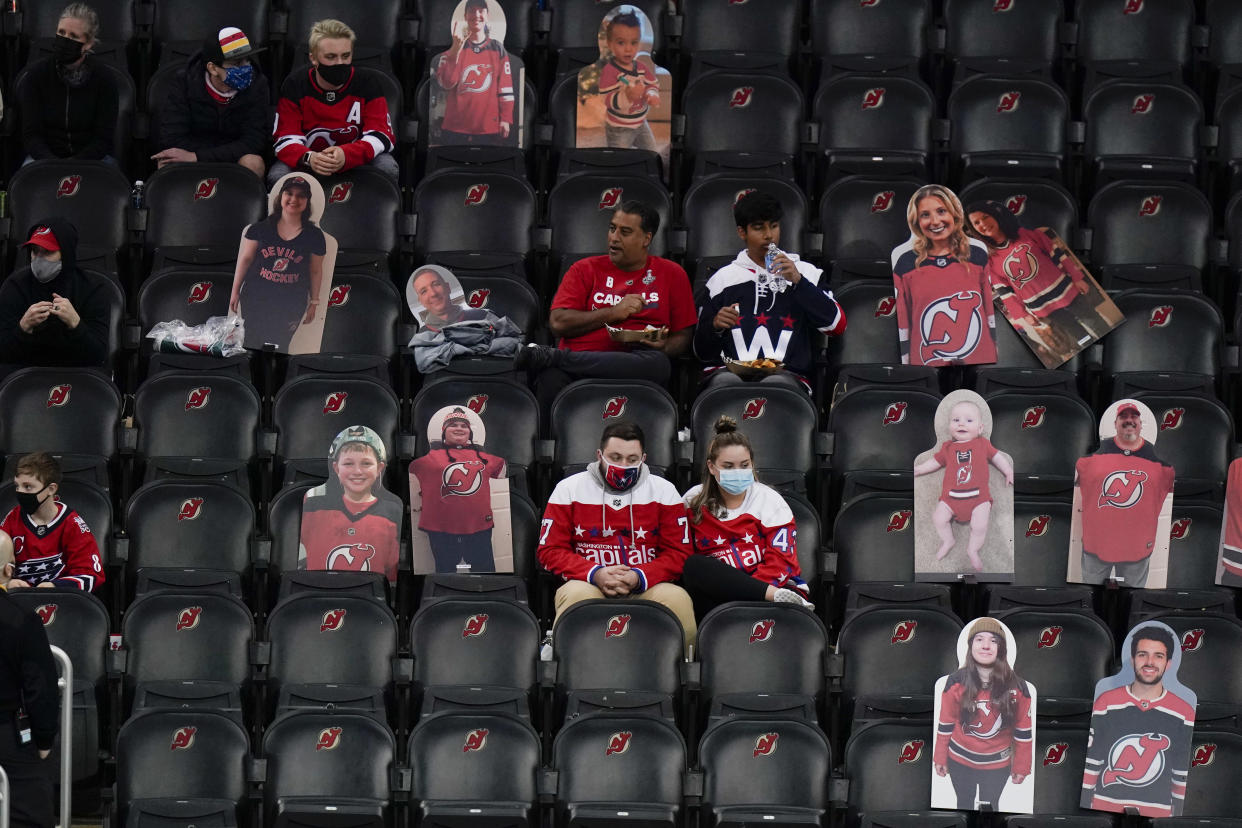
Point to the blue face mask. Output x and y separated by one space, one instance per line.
736 481
239 77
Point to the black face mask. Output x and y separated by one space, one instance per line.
66 50
29 502
336 74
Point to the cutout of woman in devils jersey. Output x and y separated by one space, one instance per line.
985 726
451 488
944 299
352 522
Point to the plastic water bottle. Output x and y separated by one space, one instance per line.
769 258
135 195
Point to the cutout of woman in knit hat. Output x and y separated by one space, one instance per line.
459 499
985 726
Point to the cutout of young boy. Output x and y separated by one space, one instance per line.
630 88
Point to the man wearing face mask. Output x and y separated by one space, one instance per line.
332 117
618 531
218 108
69 107
52 313
53 546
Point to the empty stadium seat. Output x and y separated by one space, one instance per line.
896 650
195 213
1062 652
1011 126
863 218
581 411
733 112
473 210
1142 129
362 211
888 765
875 124
66 411
1151 38
983 36
863 37
1044 433
189 414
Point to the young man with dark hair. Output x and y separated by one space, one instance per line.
753 313
618 531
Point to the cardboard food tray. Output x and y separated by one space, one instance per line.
648 334
746 370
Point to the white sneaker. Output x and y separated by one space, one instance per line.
545 650
791 596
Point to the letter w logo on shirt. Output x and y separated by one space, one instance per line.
760 344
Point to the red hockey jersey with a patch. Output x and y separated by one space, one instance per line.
479 83
63 551
595 282
987 743
759 537
944 308
1121 493
354 118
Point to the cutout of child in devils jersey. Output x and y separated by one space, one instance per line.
472 99
1123 502
623 98
284 269
944 298
352 522
459 499
1138 752
1042 287
1229 566
985 726
963 487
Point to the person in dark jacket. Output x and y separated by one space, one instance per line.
68 104
29 715
52 313
218 107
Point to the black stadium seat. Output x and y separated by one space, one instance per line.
1142 129
1011 126
863 218
473 210
362 211
196 212
93 195
189 414
848 36
888 765
729 112
875 124
581 411
1002 36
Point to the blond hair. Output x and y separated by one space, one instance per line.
959 244
329 30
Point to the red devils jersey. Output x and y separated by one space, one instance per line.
944 308
480 86
1231 538
759 537
354 118
586 526
987 743
1031 277
1138 753
337 534
1122 493
965 469
595 282
63 551
456 489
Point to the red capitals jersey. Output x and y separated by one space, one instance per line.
586 526
1031 277
1231 537
1122 493
354 118
479 83
944 308
965 469
759 537
456 489
338 534
595 282
63 551
987 743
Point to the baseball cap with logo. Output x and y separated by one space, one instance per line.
359 434
43 237
230 44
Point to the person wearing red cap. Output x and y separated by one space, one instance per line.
217 109
52 313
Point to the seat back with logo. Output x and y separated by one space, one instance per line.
1044 433
979 33
1165 330
1154 31
172 635
1041 533
892 32
1063 652
311 410
362 317
733 111
471 641
461 209
193 296
1194 545
202 205
1212 788
1142 129
707 210
618 645
584 408
871 310
284 526
878 123
1195 434
580 208
739 27
873 538
61 410
1211 655
1060 753
331 639
745 647
881 428
752 763
779 421
93 195
1036 202
361 210
1135 222
1008 126
176 523
888 763
190 414
891 651
863 218
503 296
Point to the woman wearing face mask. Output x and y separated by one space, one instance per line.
52 313
68 104
742 532
217 108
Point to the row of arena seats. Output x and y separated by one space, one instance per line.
197 660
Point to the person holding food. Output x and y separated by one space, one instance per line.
764 315
618 316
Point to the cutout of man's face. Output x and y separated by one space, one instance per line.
432 292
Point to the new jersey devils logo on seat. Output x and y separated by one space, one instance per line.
741 97
206 189
873 98
475 625
332 620
883 201
615 407
903 632
199 292
183 738
894 413
477 403
887 306
341 192
339 295
618 743
334 403
1016 204
477 194
765 745
753 409
1142 104
910 752
617 626
610 198
475 740
68 186
1203 755
762 630
1008 102
1179 528
329 739
478 297
1038 526
197 398
47 613
1192 640
58 395
898 521
1049 637
1055 754
1033 417
191 508
188 618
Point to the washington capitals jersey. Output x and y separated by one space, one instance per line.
944 308
1138 753
337 534
1032 277
1231 533
456 489
479 82
354 118
965 469
586 526
772 325
595 282
987 743
63 551
1121 493
759 537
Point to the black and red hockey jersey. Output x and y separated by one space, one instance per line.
337 534
1033 277
759 537
945 313
1138 753
310 118
479 82
987 743
63 551
1121 493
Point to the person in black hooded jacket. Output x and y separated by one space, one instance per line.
218 107
52 313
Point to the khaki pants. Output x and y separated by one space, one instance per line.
670 595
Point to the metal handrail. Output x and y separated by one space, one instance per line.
65 683
4 794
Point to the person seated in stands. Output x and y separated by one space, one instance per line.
68 105
217 109
331 117
619 316
54 546
52 313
